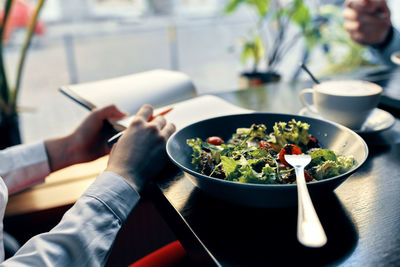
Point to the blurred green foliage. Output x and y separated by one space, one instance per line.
9 91
281 24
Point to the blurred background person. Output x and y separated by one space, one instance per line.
369 23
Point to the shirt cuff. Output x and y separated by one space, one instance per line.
114 192
383 54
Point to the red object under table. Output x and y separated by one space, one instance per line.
172 254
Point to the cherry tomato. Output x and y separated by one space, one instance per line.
312 142
265 145
288 150
312 139
307 176
215 140
269 146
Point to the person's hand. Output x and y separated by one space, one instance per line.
367 21
139 155
88 141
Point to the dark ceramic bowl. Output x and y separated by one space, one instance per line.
330 135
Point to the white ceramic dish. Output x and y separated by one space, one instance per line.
396 58
379 120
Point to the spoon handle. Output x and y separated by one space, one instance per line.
309 229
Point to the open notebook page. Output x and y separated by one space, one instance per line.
156 87
194 110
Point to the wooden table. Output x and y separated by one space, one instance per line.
61 188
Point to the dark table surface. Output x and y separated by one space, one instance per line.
361 217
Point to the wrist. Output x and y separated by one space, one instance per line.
388 38
60 153
133 179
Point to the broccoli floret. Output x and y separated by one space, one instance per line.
255 132
326 170
293 132
319 156
258 131
345 163
243 131
326 164
270 174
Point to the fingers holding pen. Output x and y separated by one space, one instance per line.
159 122
145 112
165 129
168 130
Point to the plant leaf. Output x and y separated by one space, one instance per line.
4 88
247 52
261 6
258 48
232 6
301 14
253 49
28 39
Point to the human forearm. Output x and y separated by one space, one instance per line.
23 166
86 143
62 152
87 231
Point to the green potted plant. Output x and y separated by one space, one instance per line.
272 37
9 122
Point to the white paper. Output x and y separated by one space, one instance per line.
194 110
129 93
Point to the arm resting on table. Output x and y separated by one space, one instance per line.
87 231
23 166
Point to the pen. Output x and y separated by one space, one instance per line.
116 137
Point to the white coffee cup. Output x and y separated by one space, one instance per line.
348 102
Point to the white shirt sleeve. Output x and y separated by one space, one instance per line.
23 166
3 203
86 232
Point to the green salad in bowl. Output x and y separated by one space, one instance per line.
238 158
256 155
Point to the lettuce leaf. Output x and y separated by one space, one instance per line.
196 143
229 165
293 132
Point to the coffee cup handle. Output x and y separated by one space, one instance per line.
304 101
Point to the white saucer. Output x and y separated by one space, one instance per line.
396 57
378 121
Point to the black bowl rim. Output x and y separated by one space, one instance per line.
280 186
